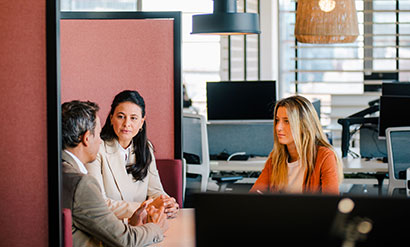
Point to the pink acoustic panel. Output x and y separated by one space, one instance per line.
100 58
23 124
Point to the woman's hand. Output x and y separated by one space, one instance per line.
140 215
157 216
169 203
171 208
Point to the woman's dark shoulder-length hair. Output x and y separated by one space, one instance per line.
141 145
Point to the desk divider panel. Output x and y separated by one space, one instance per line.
254 138
101 57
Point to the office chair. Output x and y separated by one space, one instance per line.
170 172
398 155
408 182
67 228
195 141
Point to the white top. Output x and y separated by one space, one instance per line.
122 193
79 163
126 153
296 174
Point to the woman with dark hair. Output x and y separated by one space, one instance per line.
125 166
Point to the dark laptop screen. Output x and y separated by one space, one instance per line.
229 219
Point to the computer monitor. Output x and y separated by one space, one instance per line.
316 104
240 100
396 89
398 143
229 219
393 113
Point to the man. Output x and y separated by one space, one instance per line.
93 223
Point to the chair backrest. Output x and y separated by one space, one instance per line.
170 172
195 141
398 153
67 226
408 182
195 136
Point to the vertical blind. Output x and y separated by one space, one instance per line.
381 52
240 57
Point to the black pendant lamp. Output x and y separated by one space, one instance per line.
225 20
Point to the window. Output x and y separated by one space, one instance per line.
381 52
204 57
98 5
211 57
241 53
200 53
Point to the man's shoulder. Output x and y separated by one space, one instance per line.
71 178
69 172
80 179
74 180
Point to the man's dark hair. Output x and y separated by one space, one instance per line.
77 118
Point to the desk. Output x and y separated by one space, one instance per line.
350 165
251 165
356 165
181 231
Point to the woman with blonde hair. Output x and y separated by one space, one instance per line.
302 160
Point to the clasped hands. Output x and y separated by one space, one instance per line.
169 203
155 211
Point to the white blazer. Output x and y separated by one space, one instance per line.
122 193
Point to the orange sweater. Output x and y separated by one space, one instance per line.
324 178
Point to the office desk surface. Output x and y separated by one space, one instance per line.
354 165
181 231
350 165
253 164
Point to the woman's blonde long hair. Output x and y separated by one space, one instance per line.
308 135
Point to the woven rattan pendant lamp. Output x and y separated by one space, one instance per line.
326 21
